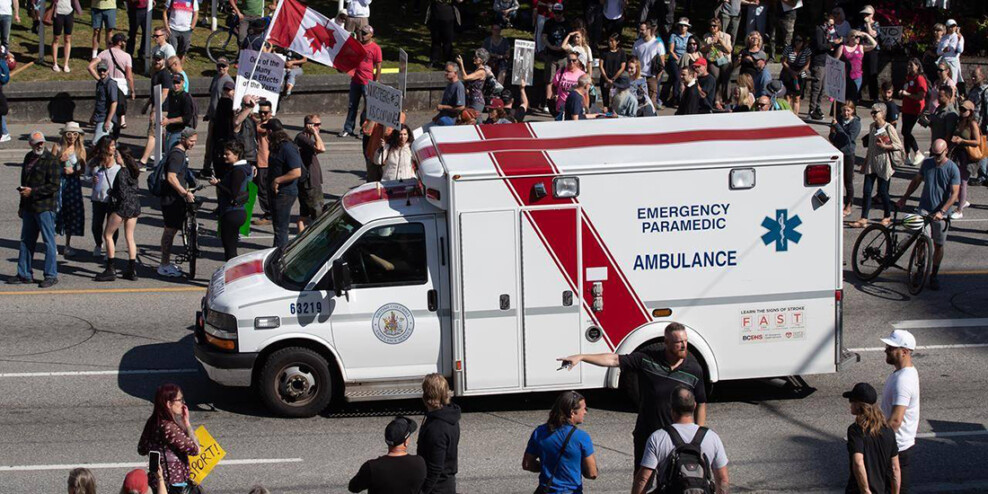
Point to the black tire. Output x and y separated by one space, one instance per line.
920 264
871 252
296 371
222 43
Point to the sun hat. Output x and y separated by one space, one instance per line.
71 127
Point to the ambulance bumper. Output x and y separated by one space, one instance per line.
228 369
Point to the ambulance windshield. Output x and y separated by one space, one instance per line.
309 251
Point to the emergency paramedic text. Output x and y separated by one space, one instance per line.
684 218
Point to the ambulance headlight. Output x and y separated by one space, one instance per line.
742 178
563 187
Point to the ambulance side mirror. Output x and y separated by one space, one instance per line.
341 278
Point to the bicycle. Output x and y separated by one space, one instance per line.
190 233
225 41
878 248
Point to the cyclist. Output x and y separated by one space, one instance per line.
174 197
941 179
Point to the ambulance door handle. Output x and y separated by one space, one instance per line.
433 300
505 301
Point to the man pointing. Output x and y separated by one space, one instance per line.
660 369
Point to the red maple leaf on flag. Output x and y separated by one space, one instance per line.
320 37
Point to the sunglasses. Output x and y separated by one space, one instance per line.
317 124
573 60
264 112
157 35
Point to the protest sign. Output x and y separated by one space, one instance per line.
889 36
403 72
384 104
266 80
834 83
158 134
524 62
210 453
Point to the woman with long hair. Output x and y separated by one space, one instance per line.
232 195
169 432
884 152
125 207
718 47
967 136
844 130
852 51
913 95
104 166
82 481
439 438
576 42
558 450
395 156
871 448
71 154
945 78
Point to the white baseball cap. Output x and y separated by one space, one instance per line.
951 23
901 338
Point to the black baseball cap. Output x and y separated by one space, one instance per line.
399 430
862 392
274 125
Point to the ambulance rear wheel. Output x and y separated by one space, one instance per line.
296 382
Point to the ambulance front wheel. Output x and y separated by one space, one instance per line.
296 382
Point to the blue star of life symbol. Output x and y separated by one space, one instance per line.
781 230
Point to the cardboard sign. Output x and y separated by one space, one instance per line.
384 104
889 36
524 62
210 454
265 82
158 131
835 82
403 72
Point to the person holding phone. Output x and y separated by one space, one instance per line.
38 191
169 432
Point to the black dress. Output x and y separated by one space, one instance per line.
125 198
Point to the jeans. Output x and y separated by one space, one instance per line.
5 21
819 72
3 125
31 224
357 91
281 215
983 168
883 192
848 180
171 139
100 132
137 19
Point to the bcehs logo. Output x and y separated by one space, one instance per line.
751 337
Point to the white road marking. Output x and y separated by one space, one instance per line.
932 435
926 347
940 323
94 466
126 372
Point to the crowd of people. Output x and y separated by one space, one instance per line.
673 448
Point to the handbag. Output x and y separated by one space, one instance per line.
49 18
976 153
546 488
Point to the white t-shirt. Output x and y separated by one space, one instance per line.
646 51
659 447
6 7
614 9
180 18
902 388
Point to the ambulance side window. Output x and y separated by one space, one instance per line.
388 256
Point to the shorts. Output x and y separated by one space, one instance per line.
62 23
937 230
174 214
310 201
291 75
104 18
181 41
553 64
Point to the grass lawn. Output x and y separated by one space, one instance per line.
397 27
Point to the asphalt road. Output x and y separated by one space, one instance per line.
79 365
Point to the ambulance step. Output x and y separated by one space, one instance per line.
391 390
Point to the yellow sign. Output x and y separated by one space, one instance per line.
210 454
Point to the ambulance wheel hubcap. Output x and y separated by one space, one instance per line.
296 385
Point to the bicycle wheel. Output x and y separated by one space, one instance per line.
192 244
871 253
222 43
920 264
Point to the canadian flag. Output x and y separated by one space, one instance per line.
309 33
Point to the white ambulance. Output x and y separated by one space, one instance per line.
522 243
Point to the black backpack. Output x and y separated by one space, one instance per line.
688 469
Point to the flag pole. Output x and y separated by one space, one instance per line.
267 33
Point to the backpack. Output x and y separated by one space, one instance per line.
688 469
157 178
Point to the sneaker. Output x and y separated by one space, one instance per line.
66 68
956 215
97 251
68 251
5 138
169 271
816 114
544 109
261 221
56 68
344 134
48 283
967 204
934 283
17 280
918 159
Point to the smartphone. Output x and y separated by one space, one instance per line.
20 188
154 461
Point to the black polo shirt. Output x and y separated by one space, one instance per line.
656 381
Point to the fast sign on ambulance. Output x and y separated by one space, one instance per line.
519 243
